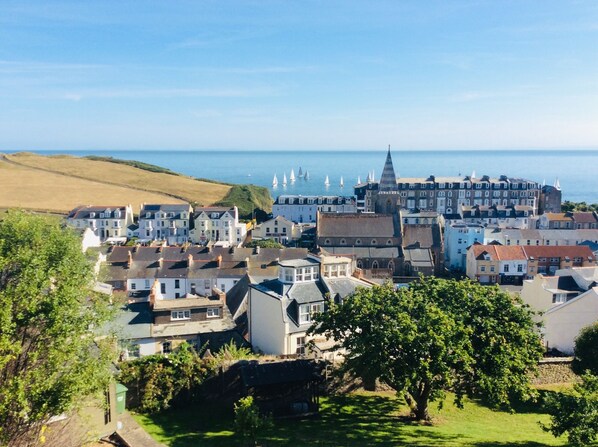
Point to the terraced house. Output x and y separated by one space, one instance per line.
169 223
218 224
104 221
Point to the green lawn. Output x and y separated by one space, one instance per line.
361 419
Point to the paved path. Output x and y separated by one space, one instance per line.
134 434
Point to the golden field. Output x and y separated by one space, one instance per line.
59 183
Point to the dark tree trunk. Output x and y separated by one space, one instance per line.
418 399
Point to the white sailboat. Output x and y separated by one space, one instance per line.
327 181
342 183
274 181
306 176
292 176
284 180
300 174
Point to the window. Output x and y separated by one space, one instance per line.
374 241
166 347
492 268
483 268
133 286
308 311
213 312
300 346
177 283
506 268
288 275
299 275
180 315
307 273
358 242
520 268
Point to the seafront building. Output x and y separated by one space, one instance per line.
105 222
303 209
219 225
444 195
169 223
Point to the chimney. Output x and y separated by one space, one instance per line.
219 260
256 250
129 259
161 261
247 262
358 273
218 294
189 260
135 248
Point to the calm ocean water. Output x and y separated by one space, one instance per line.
577 170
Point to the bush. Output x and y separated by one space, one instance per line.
248 421
161 380
586 350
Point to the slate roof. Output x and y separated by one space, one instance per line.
209 210
133 322
366 252
419 257
584 217
84 212
426 235
306 262
307 292
357 225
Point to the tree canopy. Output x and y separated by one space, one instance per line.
586 350
437 335
575 413
48 359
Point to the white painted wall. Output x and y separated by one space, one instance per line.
266 325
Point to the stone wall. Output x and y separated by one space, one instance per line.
555 370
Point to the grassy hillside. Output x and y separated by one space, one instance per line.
59 183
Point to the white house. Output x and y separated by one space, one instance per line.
165 222
104 221
280 311
280 229
568 302
218 224
563 323
301 209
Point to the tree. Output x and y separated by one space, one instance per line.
161 380
586 350
264 243
437 335
576 413
48 359
248 421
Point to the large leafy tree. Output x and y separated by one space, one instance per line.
437 335
48 359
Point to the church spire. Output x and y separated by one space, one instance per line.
388 180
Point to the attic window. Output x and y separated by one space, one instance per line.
358 242
343 242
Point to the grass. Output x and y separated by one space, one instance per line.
24 187
248 197
167 188
359 419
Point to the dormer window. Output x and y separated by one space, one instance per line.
92 215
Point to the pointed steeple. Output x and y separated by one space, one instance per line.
388 180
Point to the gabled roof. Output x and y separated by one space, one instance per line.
84 212
584 217
358 225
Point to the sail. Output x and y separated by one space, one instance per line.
292 176
274 181
342 183
306 176
300 174
284 179
327 181
359 180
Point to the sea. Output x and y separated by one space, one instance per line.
576 170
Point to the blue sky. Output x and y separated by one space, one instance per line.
298 75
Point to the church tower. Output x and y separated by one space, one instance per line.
388 181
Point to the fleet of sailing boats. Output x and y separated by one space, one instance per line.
305 176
